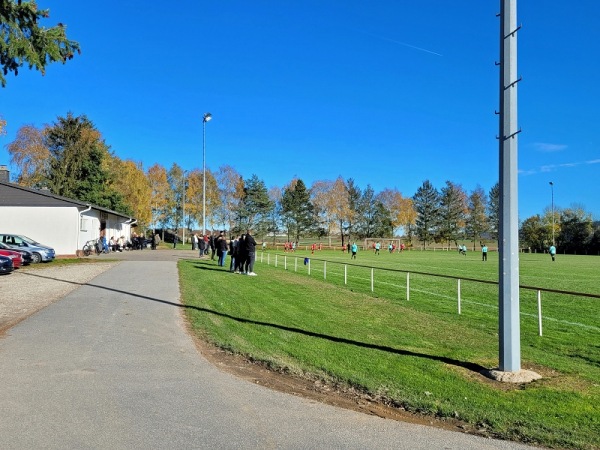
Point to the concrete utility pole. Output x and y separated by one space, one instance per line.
552 190
509 323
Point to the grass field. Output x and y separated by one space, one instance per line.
419 354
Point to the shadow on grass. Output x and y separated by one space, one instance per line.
340 340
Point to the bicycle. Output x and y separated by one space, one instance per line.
91 246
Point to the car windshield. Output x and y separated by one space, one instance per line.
29 240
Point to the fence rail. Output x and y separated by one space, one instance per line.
307 262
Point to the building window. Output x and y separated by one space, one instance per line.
84 224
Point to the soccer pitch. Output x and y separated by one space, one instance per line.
349 322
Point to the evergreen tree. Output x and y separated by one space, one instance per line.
373 218
452 213
426 202
254 207
297 209
175 193
494 211
24 41
354 194
477 218
79 161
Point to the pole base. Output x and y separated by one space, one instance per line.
521 376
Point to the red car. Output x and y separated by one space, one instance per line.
15 256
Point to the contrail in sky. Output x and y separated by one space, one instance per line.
402 43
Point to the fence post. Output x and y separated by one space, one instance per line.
275 260
268 259
345 274
261 257
371 279
459 296
324 270
285 262
309 266
407 286
539 300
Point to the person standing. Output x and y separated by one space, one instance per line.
194 241
240 261
212 242
552 251
377 247
201 246
484 251
233 251
222 249
250 252
354 249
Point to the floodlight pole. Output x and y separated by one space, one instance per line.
183 208
509 323
207 116
552 190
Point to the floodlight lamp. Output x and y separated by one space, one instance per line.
207 117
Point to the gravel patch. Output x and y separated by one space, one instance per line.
30 289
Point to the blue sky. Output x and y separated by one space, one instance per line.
390 93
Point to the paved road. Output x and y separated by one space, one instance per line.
111 366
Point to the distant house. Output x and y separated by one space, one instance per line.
59 222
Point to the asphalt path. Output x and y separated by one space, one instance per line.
111 366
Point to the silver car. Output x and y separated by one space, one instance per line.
39 252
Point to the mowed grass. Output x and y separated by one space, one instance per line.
419 354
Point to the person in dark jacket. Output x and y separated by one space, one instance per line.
250 244
222 248
212 243
233 251
202 246
242 255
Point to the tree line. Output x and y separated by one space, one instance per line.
70 158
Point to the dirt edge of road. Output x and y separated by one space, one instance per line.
319 390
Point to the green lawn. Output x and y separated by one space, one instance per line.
420 354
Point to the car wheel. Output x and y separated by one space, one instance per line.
36 258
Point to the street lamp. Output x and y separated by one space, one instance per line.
207 116
552 189
183 207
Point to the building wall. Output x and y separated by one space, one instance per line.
62 228
55 227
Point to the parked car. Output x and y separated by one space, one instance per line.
39 252
6 265
25 255
14 255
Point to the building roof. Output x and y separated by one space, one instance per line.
12 194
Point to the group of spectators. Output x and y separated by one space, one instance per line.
241 250
118 244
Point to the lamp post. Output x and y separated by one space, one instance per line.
552 190
183 208
207 116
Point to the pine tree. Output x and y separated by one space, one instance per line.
255 206
297 209
477 223
78 163
494 211
354 194
24 41
452 212
426 202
